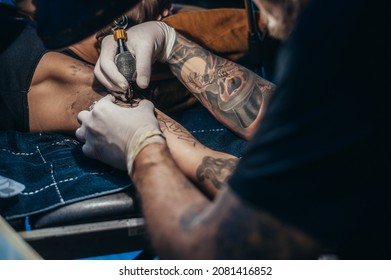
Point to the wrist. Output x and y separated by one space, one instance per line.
152 159
142 138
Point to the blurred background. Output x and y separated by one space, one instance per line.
213 3
202 3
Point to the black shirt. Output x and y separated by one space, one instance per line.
20 51
320 161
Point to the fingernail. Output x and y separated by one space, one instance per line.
124 87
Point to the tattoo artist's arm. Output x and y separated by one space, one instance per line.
233 94
184 224
207 168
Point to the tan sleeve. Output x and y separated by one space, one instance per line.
222 31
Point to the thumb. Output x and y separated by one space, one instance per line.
108 98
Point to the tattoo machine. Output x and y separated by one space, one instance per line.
123 59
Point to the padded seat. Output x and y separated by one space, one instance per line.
109 224
110 207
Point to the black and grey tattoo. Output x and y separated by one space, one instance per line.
167 124
216 170
233 93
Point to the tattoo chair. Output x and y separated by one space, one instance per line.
99 226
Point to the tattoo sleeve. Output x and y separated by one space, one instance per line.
234 94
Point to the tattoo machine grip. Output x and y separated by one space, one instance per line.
125 62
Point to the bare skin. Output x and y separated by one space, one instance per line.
59 91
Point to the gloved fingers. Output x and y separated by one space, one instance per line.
144 59
109 68
89 150
108 99
146 104
86 134
119 95
119 85
106 70
83 116
81 134
101 150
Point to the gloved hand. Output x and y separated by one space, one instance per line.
115 135
148 42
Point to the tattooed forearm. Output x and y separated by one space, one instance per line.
234 94
189 219
248 234
216 170
171 126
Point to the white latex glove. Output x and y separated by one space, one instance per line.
115 135
148 42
